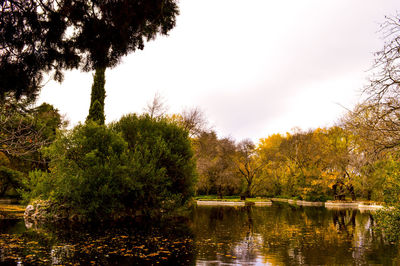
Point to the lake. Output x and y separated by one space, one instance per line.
280 234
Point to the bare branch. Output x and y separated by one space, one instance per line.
157 107
194 121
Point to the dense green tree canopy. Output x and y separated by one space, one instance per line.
39 36
32 42
163 158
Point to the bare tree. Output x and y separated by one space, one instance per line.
21 132
385 79
157 107
377 119
194 122
376 126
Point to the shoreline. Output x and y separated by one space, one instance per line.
329 204
232 203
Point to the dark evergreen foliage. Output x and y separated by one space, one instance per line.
32 43
39 36
96 110
163 159
10 181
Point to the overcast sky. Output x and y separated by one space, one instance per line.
255 67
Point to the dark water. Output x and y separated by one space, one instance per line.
274 235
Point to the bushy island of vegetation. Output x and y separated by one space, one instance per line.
136 166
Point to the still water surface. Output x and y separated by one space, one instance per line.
273 235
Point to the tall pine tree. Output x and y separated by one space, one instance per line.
41 36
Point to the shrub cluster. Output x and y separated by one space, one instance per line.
135 164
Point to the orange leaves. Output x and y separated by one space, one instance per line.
90 249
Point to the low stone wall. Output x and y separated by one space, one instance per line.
220 203
298 202
338 204
232 203
372 207
309 203
331 204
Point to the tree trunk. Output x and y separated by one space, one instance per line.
219 192
96 109
369 194
352 193
334 188
248 192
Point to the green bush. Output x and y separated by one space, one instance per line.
388 221
86 170
163 161
38 185
10 182
137 164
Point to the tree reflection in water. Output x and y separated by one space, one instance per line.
279 234
284 234
343 219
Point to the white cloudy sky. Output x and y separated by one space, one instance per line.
255 67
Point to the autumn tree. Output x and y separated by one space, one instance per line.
249 166
274 172
375 121
217 172
342 162
304 161
310 165
375 140
383 125
293 164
